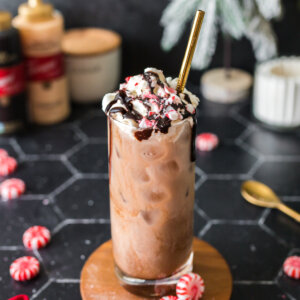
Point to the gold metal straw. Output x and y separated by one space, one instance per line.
189 52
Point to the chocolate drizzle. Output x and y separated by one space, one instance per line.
193 139
163 125
157 120
143 134
128 112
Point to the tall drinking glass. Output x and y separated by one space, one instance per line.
151 204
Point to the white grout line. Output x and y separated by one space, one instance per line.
69 166
234 222
273 235
264 215
256 166
63 186
290 198
251 282
201 213
67 280
205 229
282 158
67 222
79 132
28 197
11 248
227 176
39 291
76 148
246 133
250 150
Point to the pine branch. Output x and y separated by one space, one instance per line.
232 18
208 36
269 8
262 37
174 20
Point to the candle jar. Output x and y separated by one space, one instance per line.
276 100
93 59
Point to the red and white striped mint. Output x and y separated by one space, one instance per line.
190 287
24 268
206 141
3 153
12 188
20 297
36 237
7 165
169 298
291 267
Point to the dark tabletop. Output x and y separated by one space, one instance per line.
65 170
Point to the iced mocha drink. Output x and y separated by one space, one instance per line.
151 173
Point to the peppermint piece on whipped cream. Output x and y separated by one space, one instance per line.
150 101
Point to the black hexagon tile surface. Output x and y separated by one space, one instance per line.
284 226
80 201
42 176
282 176
226 128
226 159
221 199
92 158
247 250
71 246
60 291
65 170
95 126
17 215
52 140
257 292
274 143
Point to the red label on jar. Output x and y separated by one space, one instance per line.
45 68
12 80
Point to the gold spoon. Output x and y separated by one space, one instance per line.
260 194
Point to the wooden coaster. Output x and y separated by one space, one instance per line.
98 280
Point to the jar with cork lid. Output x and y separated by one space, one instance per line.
41 31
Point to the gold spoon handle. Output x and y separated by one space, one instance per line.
290 212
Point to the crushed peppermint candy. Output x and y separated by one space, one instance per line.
150 101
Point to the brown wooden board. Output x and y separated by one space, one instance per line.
98 280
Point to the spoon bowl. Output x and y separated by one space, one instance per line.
260 194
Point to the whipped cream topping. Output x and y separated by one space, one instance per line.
150 101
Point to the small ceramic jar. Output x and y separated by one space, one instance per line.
276 99
93 59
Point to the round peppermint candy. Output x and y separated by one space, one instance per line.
206 141
24 268
7 165
291 267
169 298
3 153
190 287
36 237
20 297
12 188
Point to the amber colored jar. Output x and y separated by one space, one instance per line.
41 31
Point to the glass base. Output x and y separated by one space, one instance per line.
154 288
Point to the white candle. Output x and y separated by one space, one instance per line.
276 99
